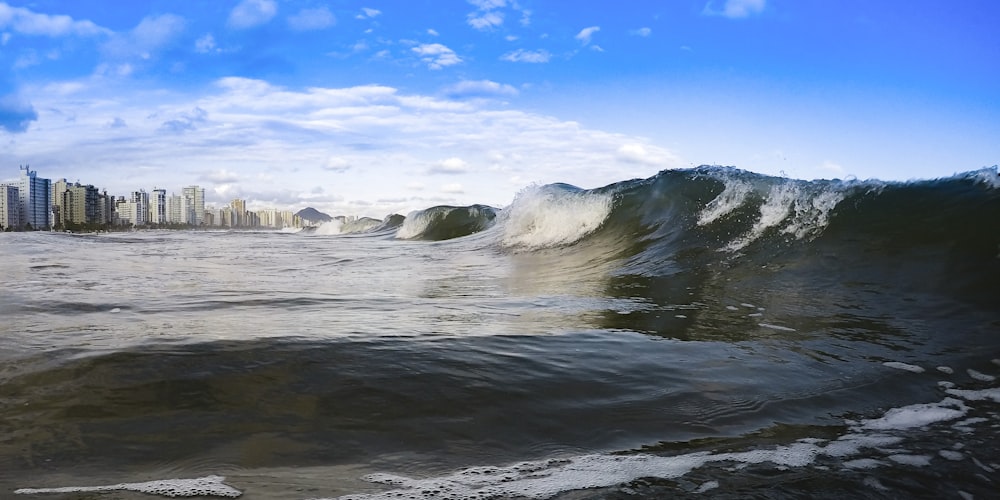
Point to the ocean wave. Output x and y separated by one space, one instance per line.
553 215
446 222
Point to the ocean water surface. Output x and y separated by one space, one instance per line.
701 333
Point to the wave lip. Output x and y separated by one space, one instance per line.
554 215
445 222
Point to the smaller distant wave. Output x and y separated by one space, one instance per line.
348 225
446 222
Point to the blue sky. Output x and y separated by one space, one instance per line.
369 108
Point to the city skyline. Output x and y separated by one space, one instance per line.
33 202
373 108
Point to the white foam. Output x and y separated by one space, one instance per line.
732 196
813 213
774 210
903 366
733 308
776 327
115 310
918 415
880 440
545 217
945 369
706 486
330 228
202 486
806 208
982 377
980 395
863 463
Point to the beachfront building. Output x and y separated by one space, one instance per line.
193 205
10 207
158 206
34 197
79 205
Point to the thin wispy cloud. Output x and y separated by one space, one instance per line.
735 9
436 56
527 56
643 32
368 13
585 34
250 13
27 22
479 88
205 44
312 19
152 34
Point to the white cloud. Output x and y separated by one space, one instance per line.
479 88
26 22
643 32
250 13
222 176
586 33
485 20
488 4
527 56
5 38
312 19
302 139
368 13
436 55
141 43
638 153
452 165
337 164
453 188
432 32
735 9
205 44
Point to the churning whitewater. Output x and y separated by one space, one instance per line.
701 332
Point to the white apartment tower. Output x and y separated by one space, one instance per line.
140 216
194 198
158 207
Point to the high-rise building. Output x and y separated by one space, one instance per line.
105 208
175 210
239 212
10 207
158 207
80 205
195 200
34 193
141 200
58 188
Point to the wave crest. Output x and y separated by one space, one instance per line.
446 222
553 215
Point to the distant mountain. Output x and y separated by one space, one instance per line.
313 215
